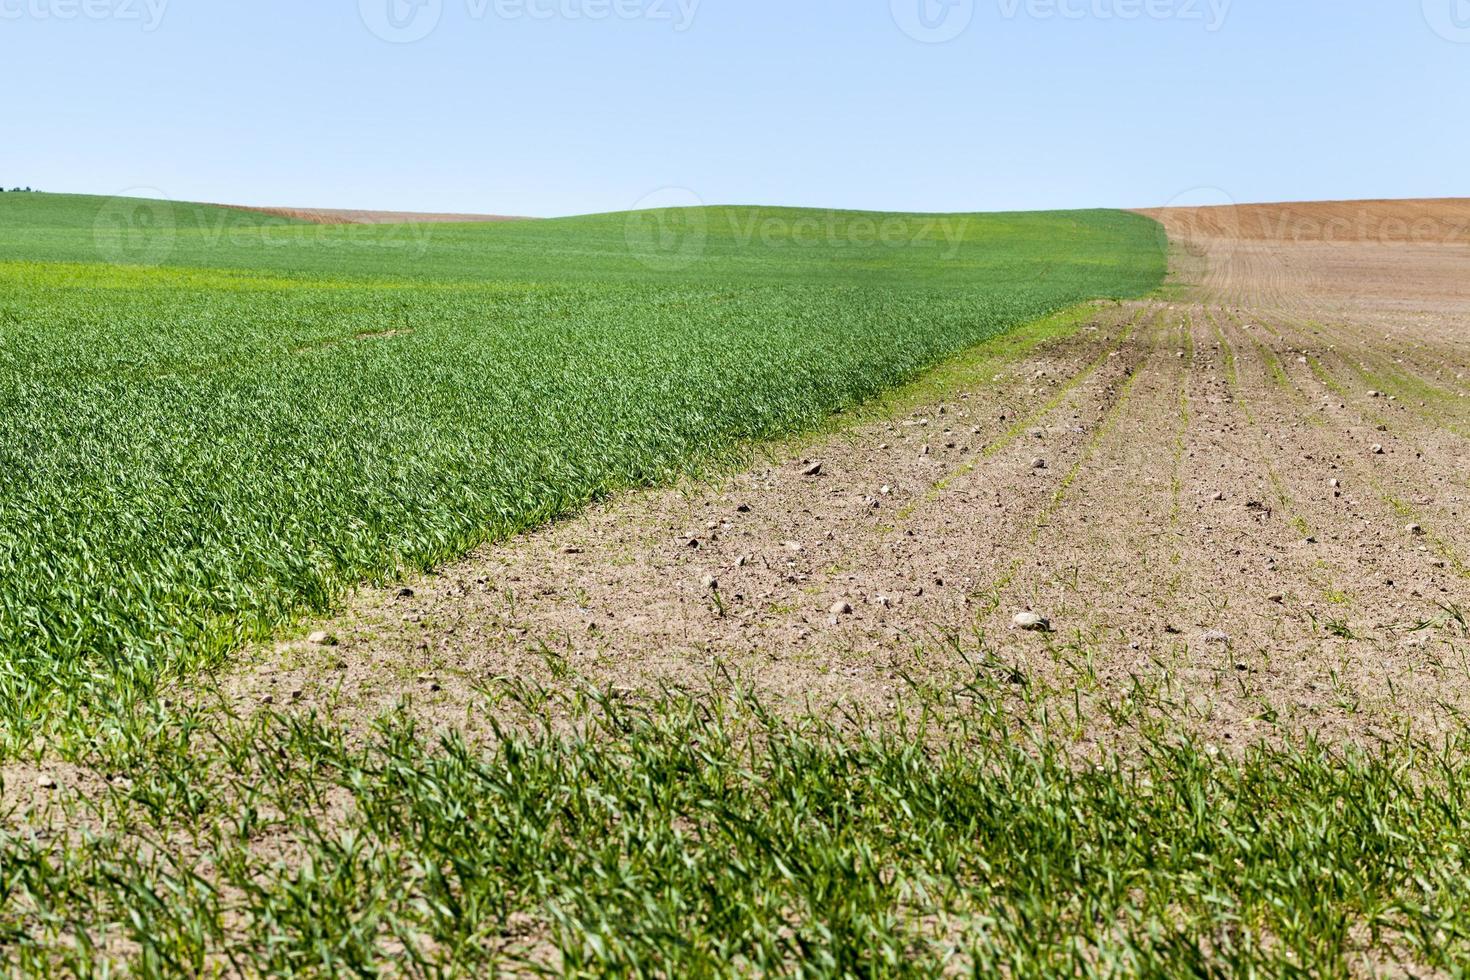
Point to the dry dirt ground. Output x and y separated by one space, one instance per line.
1247 498
338 216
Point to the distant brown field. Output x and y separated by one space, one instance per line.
1424 221
1400 255
338 216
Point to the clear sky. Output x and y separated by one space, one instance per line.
547 107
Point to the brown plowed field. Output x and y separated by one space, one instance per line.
1334 256
1248 499
1427 221
336 216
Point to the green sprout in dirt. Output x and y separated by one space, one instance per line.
702 833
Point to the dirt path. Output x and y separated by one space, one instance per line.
1250 501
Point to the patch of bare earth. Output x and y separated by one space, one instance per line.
1248 503
339 216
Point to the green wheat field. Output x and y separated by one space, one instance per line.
217 422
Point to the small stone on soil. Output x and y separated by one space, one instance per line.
1038 463
812 470
843 608
1216 637
321 638
711 584
1035 622
46 781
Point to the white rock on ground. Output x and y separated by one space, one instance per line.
1035 622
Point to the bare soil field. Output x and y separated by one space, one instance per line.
1247 499
1335 256
1426 221
338 216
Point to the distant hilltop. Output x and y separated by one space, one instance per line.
339 216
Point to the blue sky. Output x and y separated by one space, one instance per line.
546 107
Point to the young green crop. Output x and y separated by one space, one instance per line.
701 834
257 413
